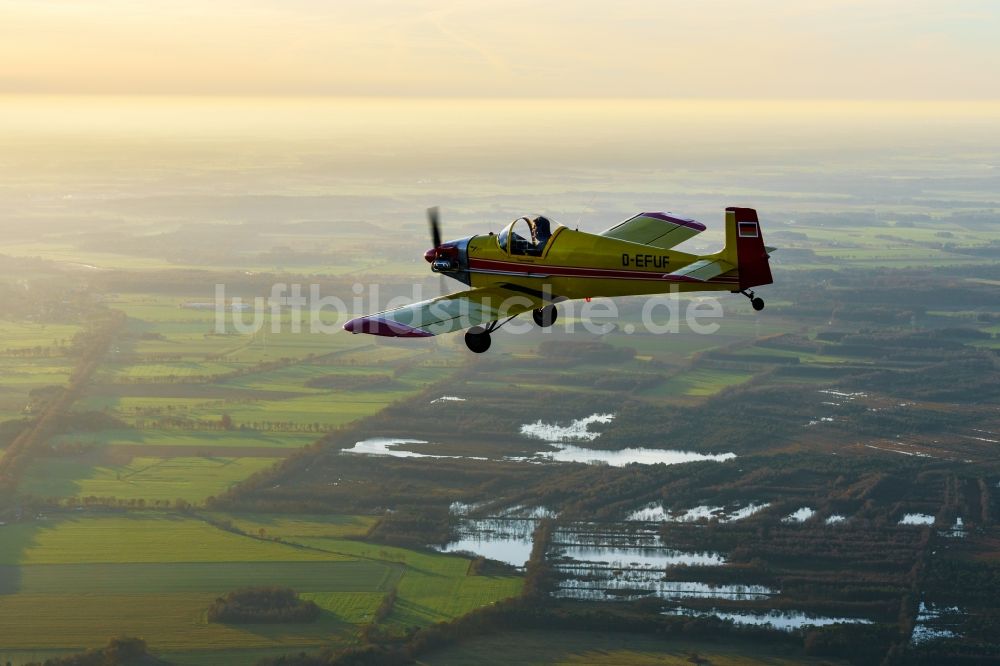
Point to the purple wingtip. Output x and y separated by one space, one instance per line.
384 327
682 221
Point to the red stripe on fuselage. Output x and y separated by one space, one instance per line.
511 267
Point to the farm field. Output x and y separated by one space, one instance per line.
700 382
155 574
187 442
295 526
136 537
146 478
187 414
433 588
570 648
22 376
18 337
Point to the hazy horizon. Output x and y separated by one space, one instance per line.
884 49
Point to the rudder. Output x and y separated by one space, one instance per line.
745 247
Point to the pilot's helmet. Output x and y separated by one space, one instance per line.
542 226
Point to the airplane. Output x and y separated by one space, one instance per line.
519 270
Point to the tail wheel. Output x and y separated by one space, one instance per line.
477 339
758 303
545 316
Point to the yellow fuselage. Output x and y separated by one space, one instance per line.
576 264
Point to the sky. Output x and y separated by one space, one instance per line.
746 49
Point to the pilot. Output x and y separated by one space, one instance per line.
541 229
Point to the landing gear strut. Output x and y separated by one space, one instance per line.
756 301
545 316
477 338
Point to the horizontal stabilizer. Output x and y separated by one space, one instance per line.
703 270
661 230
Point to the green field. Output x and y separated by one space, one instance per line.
700 382
23 335
188 441
347 576
293 527
137 537
66 583
434 587
142 477
609 649
22 375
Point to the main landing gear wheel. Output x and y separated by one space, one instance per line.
755 301
545 316
477 339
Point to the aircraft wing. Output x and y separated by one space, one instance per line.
445 314
702 270
661 230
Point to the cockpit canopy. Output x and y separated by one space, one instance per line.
526 237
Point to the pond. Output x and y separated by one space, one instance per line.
577 431
387 446
622 457
557 451
931 623
799 515
655 512
610 556
506 540
781 620
626 587
447 398
917 519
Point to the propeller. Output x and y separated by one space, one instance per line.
434 219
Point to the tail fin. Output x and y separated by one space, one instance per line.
745 247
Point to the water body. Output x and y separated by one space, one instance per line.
387 446
447 398
580 550
625 587
799 515
923 632
511 548
617 557
521 511
622 457
577 431
917 519
503 539
781 620
748 511
843 394
557 436
655 512
956 531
